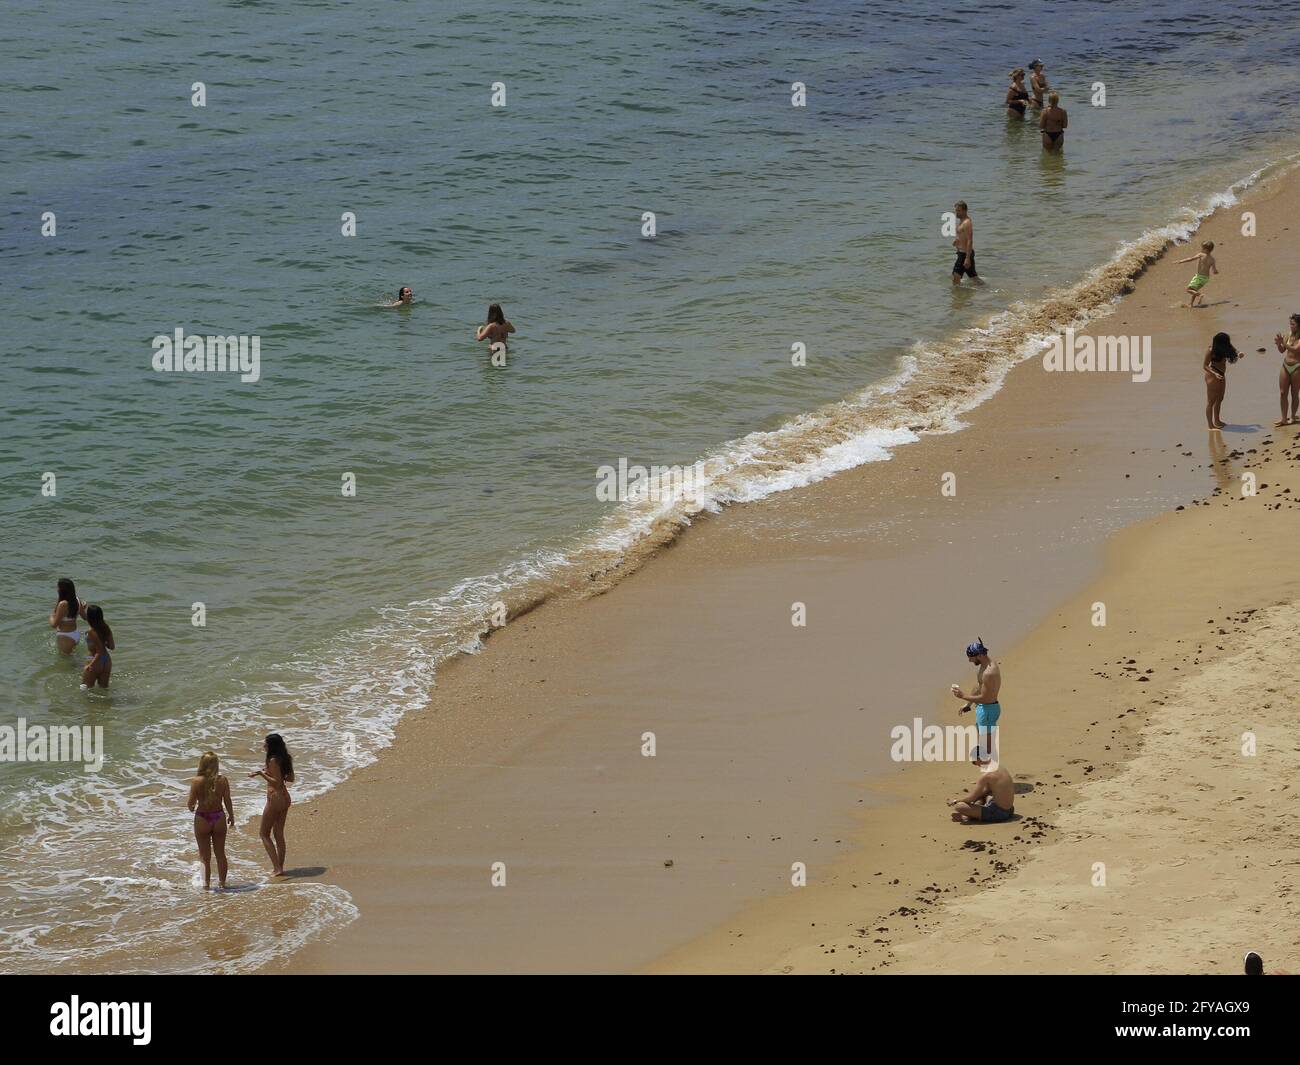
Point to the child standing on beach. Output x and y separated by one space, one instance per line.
1220 353
1204 268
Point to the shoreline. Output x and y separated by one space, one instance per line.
412 837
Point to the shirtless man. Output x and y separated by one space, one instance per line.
988 682
965 245
993 798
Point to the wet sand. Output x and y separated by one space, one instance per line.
772 741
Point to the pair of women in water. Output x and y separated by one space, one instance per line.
1221 352
210 802
494 330
1052 119
99 637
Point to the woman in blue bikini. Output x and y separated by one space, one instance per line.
99 641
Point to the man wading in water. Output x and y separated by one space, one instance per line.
965 245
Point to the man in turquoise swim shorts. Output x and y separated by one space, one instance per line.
988 682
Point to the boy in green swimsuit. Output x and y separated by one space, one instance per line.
1204 268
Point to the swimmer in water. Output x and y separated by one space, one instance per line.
99 641
496 328
1052 123
404 297
63 618
1038 83
1017 97
209 791
278 774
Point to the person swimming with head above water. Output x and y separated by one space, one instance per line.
404 298
99 641
209 791
63 618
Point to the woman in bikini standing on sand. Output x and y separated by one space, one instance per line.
63 618
1017 97
99 641
1289 377
278 775
1052 123
209 791
1220 353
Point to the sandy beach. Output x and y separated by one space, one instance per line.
771 741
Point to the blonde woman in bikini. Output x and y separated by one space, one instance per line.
209 791
278 774
1289 378
1052 123
1017 100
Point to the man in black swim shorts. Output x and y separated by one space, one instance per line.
965 245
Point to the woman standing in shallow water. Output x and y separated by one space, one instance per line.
496 328
99 641
209 790
1017 97
1052 123
63 618
278 775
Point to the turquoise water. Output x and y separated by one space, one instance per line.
327 614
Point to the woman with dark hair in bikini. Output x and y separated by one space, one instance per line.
278 775
496 328
1017 97
1052 123
1289 378
99 641
63 618
1217 356
208 792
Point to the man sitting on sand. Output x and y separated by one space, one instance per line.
992 799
